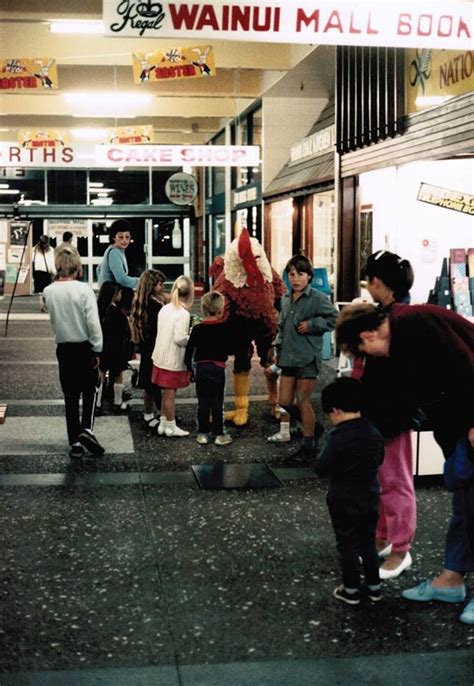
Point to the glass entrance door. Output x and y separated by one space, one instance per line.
168 246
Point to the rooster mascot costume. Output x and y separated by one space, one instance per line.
252 289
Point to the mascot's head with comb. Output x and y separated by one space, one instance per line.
245 263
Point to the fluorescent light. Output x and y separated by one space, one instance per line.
102 115
107 104
11 191
4 185
107 98
96 184
88 26
89 134
102 201
430 100
101 190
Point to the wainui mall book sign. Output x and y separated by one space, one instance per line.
442 25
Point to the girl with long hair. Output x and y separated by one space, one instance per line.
147 303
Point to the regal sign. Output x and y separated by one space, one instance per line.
406 24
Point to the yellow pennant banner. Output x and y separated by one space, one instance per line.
434 75
31 74
174 63
130 135
42 138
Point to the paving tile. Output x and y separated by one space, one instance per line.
45 435
250 574
79 582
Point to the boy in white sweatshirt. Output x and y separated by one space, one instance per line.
75 320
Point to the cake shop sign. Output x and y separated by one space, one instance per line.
100 156
393 24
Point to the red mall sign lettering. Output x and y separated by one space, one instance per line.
404 24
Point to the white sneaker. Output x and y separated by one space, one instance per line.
172 430
279 438
202 439
223 439
161 427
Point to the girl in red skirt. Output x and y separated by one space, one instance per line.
169 370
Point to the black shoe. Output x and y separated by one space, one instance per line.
121 408
152 423
374 595
89 441
318 431
303 454
350 598
77 451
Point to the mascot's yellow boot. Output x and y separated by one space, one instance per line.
240 415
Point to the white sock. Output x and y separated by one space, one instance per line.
118 393
100 390
148 416
285 429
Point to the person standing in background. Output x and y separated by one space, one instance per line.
75 320
169 371
114 266
432 350
208 348
43 268
389 280
351 457
147 303
306 314
117 348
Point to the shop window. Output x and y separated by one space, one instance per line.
159 178
217 174
26 190
282 233
247 131
218 236
324 233
167 237
171 271
67 187
365 234
110 187
249 218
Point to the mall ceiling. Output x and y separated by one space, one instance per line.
181 112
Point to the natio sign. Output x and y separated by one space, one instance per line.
405 25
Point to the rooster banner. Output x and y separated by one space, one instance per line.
174 63
42 138
32 74
130 135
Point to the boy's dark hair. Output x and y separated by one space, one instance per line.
104 298
212 303
302 264
119 226
395 272
352 321
345 394
67 236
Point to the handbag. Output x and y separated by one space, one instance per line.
459 466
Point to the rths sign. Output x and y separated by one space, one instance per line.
405 25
